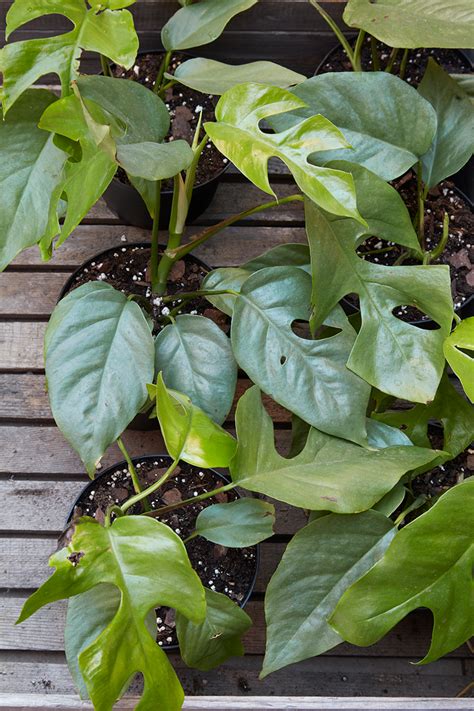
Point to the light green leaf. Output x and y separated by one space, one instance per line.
428 564
99 357
149 565
453 143
329 473
188 432
155 161
110 33
414 23
391 501
237 524
386 121
200 23
30 173
196 358
415 355
211 77
237 135
318 565
208 644
309 377
460 340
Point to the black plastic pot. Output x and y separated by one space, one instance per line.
92 485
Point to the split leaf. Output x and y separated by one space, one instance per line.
455 345
237 524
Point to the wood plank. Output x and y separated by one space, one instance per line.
29 294
21 345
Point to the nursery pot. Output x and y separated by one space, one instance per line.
127 203
232 571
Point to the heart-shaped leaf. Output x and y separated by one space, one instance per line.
155 161
318 565
149 565
237 524
196 358
309 377
455 345
208 644
387 122
237 135
329 474
99 357
200 23
428 564
211 77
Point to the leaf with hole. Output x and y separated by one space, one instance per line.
237 524
455 345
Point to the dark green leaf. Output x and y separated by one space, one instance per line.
238 524
391 501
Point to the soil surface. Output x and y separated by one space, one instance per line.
230 571
450 59
459 251
185 106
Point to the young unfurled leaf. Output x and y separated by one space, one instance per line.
318 565
388 124
453 143
196 358
208 644
99 356
200 23
109 32
428 564
237 524
328 474
238 136
149 565
211 77
188 432
460 340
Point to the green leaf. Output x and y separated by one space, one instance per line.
200 23
466 82
30 173
329 473
188 432
391 501
460 340
208 644
238 524
309 377
99 357
318 565
453 143
404 23
196 358
110 32
237 135
414 355
428 564
387 122
211 77
149 565
155 161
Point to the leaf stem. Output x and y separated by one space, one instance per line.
199 292
194 499
154 238
104 63
391 59
194 534
358 51
337 31
112 509
150 490
440 247
131 468
420 215
375 54
403 64
158 88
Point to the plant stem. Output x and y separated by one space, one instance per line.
150 490
420 215
191 171
200 292
104 63
403 64
154 238
133 472
375 54
439 249
419 501
186 502
391 59
194 534
157 88
113 508
337 31
358 50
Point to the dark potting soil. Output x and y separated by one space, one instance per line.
459 251
451 60
185 105
230 571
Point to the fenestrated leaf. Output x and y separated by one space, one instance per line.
460 340
196 358
188 432
200 23
110 32
155 161
149 565
415 355
99 357
237 135
318 565
237 524
328 474
208 644
309 377
386 121
212 77
428 564
30 172
453 142
409 23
